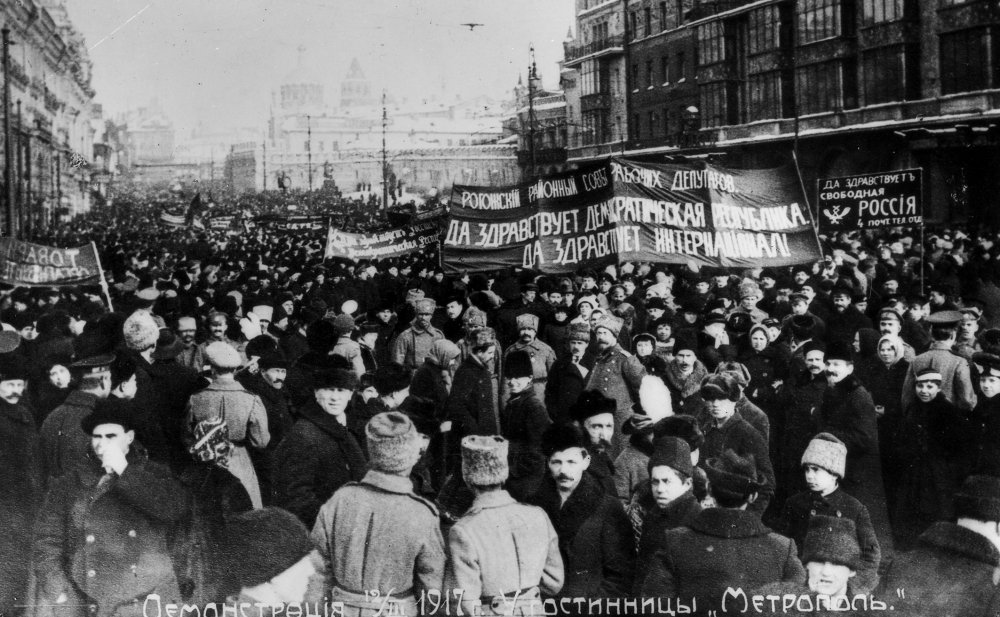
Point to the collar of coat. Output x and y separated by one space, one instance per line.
581 504
490 499
18 412
726 523
91 473
846 386
686 385
324 421
680 506
388 482
952 538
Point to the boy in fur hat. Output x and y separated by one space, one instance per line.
823 463
500 546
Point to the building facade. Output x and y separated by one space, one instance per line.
52 114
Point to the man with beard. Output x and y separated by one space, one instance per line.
319 455
192 355
799 401
595 536
725 430
542 356
568 375
848 413
522 423
685 373
268 383
20 490
596 415
617 374
414 343
956 380
846 319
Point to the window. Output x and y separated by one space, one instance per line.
881 11
634 129
764 29
588 77
818 88
713 104
649 73
647 21
664 69
679 12
663 16
711 43
635 23
765 96
651 123
681 71
964 61
883 75
635 75
818 20
666 121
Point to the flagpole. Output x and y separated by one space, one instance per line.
104 281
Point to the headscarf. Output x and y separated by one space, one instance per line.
897 345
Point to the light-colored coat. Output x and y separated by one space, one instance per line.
956 379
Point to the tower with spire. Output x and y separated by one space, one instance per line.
355 89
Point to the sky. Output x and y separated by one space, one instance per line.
216 62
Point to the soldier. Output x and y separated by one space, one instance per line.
542 356
414 343
377 536
503 553
617 374
101 536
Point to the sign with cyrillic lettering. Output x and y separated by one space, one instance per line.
382 245
868 201
27 264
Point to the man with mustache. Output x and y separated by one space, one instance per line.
595 536
596 415
542 356
192 356
685 372
269 384
796 424
617 374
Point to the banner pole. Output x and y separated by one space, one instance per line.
802 185
104 281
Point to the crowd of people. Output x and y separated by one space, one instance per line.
237 419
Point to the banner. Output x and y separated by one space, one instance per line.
430 215
622 210
173 220
293 223
383 245
868 201
221 222
26 264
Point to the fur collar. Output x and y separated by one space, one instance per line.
726 523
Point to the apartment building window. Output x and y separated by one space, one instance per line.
634 129
663 16
818 88
881 11
651 122
818 20
635 75
634 18
589 77
765 96
679 12
681 71
964 61
713 104
664 69
666 121
883 75
764 29
647 21
711 43
649 73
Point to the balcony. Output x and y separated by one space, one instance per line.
574 54
593 102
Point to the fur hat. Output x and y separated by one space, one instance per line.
802 326
484 460
579 331
979 499
839 350
518 364
685 340
140 331
392 377
481 337
527 321
733 474
827 452
683 426
394 445
222 355
592 403
12 367
719 386
609 322
559 437
736 370
672 452
186 323
109 411
321 336
341 378
260 345
474 317
654 398
272 359
343 324
426 305
749 288
832 539
261 544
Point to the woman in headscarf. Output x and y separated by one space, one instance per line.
884 380
429 390
768 367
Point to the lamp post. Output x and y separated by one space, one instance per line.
8 145
385 161
309 151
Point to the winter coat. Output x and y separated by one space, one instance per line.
985 436
842 326
65 447
595 539
471 405
566 382
737 434
20 494
848 413
522 423
745 409
631 470
800 508
952 573
542 359
377 534
413 344
684 388
602 469
162 393
246 420
617 375
799 403
350 350
765 367
720 548
500 546
956 380
105 544
656 523
317 457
